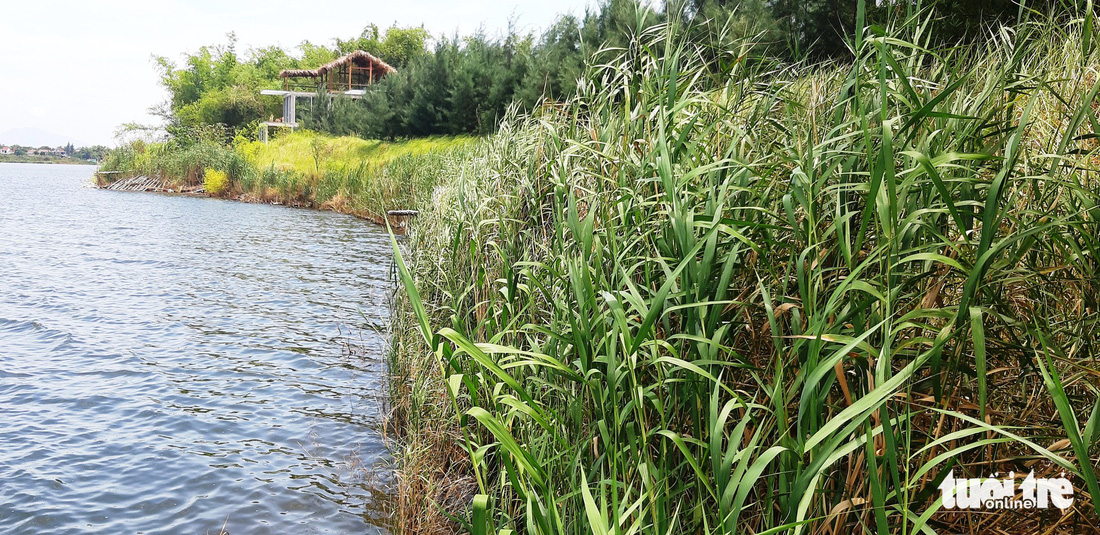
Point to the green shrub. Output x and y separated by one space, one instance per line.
215 182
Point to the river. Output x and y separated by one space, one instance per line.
174 364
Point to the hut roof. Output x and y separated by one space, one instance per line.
359 58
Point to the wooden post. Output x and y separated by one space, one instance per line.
370 73
350 67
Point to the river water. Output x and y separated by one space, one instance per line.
174 364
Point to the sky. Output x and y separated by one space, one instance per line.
81 68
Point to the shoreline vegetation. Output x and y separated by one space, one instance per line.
67 154
717 292
796 299
363 178
44 160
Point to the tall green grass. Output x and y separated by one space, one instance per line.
789 301
362 177
181 164
307 152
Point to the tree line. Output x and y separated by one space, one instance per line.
94 152
465 84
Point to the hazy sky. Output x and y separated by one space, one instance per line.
80 68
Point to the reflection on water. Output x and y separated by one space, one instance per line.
172 364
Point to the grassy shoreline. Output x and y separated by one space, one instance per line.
788 298
365 179
44 160
794 300
360 177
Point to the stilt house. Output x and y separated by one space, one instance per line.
349 75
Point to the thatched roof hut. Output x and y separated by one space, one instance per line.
352 72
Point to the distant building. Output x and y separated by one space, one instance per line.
6 150
350 75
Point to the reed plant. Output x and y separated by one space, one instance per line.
782 299
347 174
181 164
366 178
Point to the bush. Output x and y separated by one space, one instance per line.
215 182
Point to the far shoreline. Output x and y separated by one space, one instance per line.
54 161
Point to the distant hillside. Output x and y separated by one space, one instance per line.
34 137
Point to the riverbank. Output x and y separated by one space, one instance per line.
790 297
11 158
359 177
366 179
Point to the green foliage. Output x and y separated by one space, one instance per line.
307 152
218 86
466 84
762 305
215 182
72 154
182 160
214 87
398 46
348 174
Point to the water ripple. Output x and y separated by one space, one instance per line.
170 364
